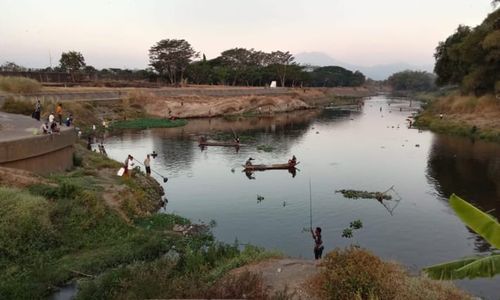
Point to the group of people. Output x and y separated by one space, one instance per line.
50 125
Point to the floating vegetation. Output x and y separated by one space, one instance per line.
225 136
354 225
357 224
347 233
356 194
265 148
147 123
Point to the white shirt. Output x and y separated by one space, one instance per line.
51 118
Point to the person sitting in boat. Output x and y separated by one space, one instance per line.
292 162
249 162
202 139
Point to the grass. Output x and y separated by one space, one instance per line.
14 106
355 273
145 123
464 115
52 232
19 85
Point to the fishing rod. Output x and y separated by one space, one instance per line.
310 205
165 179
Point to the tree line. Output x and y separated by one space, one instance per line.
470 57
175 62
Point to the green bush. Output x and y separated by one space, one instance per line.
24 223
19 85
18 106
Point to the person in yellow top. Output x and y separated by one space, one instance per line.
59 112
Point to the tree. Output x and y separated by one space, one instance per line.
12 67
237 60
280 60
412 81
471 267
171 57
471 57
72 61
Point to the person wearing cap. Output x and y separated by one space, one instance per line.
249 162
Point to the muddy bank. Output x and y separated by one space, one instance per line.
195 105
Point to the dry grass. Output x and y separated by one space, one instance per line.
19 85
355 273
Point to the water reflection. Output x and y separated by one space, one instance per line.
470 169
457 164
339 149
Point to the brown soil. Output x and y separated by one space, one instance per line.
19 178
285 274
191 106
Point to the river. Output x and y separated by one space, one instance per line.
371 149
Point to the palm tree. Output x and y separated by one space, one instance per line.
477 266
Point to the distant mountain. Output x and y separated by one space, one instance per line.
377 72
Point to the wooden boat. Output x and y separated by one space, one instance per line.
222 144
269 167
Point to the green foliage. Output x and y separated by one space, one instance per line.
347 233
186 271
418 81
145 123
160 221
471 57
333 76
473 267
19 85
171 57
356 224
13 106
24 223
72 61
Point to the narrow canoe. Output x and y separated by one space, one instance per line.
222 144
269 167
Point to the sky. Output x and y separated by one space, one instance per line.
118 34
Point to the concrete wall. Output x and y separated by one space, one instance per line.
42 154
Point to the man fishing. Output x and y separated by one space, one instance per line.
318 243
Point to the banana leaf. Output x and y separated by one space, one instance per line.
471 267
482 223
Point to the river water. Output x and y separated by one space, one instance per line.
371 149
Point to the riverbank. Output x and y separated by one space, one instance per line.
470 116
89 224
91 106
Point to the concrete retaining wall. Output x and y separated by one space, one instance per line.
41 154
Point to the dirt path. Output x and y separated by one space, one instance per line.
286 273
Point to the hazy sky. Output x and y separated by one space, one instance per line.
119 33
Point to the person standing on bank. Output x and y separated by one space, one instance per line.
318 243
38 110
147 164
128 165
59 113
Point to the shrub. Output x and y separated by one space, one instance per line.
355 273
18 106
19 85
24 223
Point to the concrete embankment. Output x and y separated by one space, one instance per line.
22 147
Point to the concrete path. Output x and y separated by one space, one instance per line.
15 127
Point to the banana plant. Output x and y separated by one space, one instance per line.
475 266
